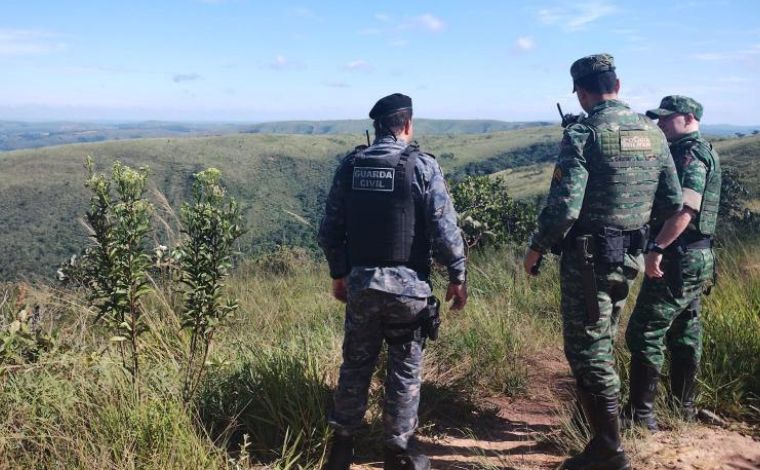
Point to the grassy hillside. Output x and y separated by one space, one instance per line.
273 369
280 180
741 155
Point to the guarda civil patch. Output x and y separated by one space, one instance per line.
373 179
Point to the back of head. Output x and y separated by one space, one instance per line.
595 74
391 114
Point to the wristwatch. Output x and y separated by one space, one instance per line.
653 246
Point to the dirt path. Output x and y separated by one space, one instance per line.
507 434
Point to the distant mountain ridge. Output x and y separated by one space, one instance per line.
421 126
16 135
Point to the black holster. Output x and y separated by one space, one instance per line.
424 327
674 270
585 250
431 319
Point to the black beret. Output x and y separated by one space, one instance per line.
390 104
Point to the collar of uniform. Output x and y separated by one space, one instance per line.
686 137
607 104
388 139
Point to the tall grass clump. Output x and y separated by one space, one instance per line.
730 370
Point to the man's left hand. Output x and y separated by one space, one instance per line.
652 262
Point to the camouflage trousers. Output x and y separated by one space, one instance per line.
589 345
662 320
368 314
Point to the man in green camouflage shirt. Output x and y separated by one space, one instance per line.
613 171
679 266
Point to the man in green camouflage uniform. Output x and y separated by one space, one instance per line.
679 266
613 170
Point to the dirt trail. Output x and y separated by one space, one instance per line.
511 434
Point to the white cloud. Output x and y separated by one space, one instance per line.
303 12
576 17
337 84
370 31
398 43
525 43
359 64
22 42
382 17
185 77
281 62
430 22
751 52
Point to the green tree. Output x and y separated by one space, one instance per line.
488 216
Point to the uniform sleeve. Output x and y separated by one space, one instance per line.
693 184
332 230
441 218
668 198
568 186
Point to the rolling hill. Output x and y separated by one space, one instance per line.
281 180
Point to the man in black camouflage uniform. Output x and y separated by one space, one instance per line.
388 209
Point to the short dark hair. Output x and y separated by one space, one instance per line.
392 123
598 83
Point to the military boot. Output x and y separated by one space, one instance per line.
405 459
643 388
604 451
683 386
341 453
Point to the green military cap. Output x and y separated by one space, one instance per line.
676 104
591 65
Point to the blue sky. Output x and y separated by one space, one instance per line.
247 60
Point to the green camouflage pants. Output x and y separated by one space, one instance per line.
662 320
589 346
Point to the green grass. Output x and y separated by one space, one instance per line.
272 370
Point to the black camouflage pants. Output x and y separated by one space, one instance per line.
368 314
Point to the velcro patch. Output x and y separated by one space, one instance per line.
373 179
635 142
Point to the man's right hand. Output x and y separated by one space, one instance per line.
458 292
339 289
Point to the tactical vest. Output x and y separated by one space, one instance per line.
708 214
383 225
624 162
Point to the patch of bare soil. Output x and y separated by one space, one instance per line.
501 433
697 447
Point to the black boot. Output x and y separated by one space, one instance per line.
341 453
604 452
643 388
683 386
405 459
